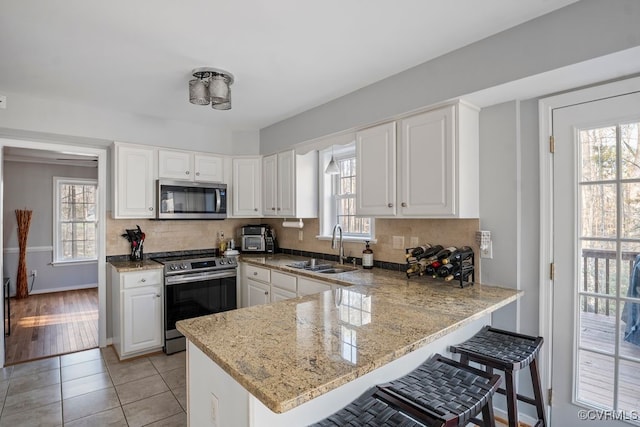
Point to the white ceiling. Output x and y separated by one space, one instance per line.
287 56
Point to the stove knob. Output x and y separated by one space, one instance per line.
184 266
172 267
223 261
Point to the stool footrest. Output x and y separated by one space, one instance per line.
525 399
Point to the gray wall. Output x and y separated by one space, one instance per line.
30 186
581 31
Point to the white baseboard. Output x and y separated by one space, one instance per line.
62 289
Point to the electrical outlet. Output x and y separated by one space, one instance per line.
300 235
487 252
215 416
34 273
398 242
3 102
413 241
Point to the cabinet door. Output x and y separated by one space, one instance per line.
208 168
286 192
142 318
257 293
269 185
133 182
246 188
426 164
280 294
175 164
376 163
310 286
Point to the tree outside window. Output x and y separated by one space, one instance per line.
345 197
75 221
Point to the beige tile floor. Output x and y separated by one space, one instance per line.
93 388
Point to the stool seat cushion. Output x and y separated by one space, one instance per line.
444 389
503 348
370 412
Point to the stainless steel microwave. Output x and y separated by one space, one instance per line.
191 200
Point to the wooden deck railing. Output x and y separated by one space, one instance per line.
596 259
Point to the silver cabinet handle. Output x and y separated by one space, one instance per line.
404 205
186 172
197 173
255 209
143 280
255 273
157 295
266 292
273 209
150 209
390 205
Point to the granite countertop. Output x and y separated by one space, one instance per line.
289 352
124 266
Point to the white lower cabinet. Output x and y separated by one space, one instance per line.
261 285
256 293
308 286
137 311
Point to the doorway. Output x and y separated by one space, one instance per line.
593 221
65 153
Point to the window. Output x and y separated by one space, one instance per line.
338 197
75 220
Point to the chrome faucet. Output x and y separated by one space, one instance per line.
334 243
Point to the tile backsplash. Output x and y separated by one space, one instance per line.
175 235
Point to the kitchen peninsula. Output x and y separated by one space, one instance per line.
296 361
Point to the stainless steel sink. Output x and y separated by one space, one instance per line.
335 270
321 268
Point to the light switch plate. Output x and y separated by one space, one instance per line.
488 252
300 235
413 241
398 242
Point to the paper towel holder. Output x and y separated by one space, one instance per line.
293 224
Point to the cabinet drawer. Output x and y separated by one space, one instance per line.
284 281
310 286
258 273
141 278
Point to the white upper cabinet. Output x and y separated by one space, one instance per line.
185 165
376 170
437 166
133 181
245 187
290 184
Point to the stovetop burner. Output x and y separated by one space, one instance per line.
182 264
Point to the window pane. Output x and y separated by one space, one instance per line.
630 210
595 378
598 153
629 134
76 227
598 324
598 268
598 210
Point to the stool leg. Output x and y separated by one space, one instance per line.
488 419
537 391
512 399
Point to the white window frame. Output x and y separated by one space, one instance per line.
57 244
327 207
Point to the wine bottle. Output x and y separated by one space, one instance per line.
432 269
445 253
458 255
418 250
446 269
430 252
463 270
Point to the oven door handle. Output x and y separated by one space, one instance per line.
198 277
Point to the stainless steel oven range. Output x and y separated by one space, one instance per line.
195 286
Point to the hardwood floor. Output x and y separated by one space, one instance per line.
44 325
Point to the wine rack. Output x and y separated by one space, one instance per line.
466 267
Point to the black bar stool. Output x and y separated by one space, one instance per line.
440 392
507 351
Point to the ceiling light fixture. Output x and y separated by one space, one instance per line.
211 86
332 167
